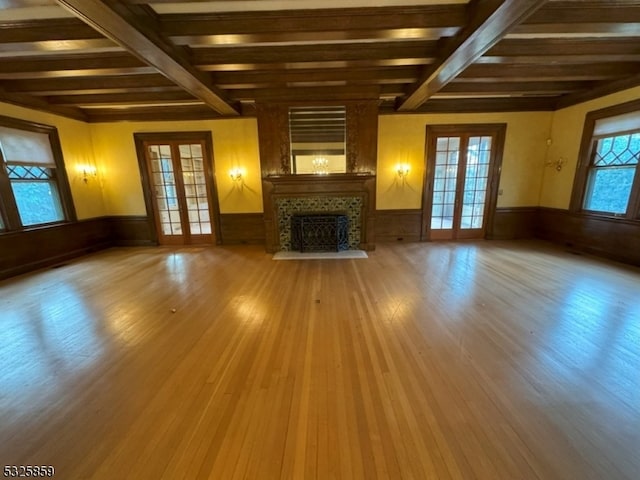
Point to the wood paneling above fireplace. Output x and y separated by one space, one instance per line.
359 181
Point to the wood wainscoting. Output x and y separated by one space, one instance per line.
22 252
612 238
405 225
398 225
129 231
241 228
512 223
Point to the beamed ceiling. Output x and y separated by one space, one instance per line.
109 60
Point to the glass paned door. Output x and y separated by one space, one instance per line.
460 167
195 188
180 188
445 183
476 177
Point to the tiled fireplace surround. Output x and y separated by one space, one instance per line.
353 194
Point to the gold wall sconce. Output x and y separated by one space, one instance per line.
236 174
557 164
87 172
402 170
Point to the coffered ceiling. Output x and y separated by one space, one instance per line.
109 60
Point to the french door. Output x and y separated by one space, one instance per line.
180 186
463 168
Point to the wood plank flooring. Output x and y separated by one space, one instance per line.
482 360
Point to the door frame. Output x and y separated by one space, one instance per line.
498 132
209 165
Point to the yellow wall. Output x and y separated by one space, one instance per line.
77 149
566 134
525 181
235 144
401 139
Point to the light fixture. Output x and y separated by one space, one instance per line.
88 171
236 174
557 164
320 165
402 170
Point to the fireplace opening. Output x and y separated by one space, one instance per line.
320 231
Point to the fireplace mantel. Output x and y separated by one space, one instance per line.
359 186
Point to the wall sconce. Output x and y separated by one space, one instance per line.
236 174
557 164
402 170
88 171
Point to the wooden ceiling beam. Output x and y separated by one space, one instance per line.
480 105
37 103
64 29
130 32
310 94
61 62
311 53
371 75
526 87
542 47
490 21
120 98
322 65
151 113
585 12
600 90
176 112
39 85
315 20
550 72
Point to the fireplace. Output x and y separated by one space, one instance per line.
350 194
288 207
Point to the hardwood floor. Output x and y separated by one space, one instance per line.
487 360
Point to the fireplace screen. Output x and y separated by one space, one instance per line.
320 232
